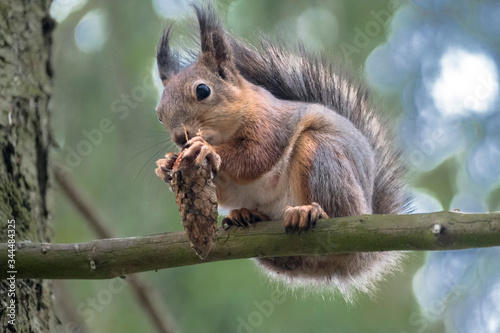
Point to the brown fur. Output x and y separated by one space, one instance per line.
248 156
301 162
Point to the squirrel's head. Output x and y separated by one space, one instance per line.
205 96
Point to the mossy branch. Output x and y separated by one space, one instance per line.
109 258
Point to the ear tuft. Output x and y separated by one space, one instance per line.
168 61
209 22
215 46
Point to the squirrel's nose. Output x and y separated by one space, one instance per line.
180 139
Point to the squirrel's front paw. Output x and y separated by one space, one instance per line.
303 217
243 217
165 166
200 150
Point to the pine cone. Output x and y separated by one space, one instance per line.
191 180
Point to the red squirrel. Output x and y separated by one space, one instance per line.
291 139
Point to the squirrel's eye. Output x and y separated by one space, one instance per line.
161 122
202 91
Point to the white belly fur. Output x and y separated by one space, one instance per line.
269 194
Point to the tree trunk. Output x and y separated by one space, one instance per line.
25 88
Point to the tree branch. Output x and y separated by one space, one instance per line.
109 258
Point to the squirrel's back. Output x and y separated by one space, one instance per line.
304 77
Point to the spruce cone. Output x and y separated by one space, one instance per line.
190 176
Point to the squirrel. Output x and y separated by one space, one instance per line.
291 139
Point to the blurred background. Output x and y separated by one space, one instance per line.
434 65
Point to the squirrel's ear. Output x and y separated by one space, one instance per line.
215 46
168 62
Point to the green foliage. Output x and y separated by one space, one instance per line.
441 181
493 200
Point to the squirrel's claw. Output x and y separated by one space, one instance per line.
200 150
243 217
197 150
302 217
165 165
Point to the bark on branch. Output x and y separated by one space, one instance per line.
109 258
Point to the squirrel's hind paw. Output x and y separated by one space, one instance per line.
243 217
303 217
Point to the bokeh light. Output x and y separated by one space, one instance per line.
467 83
444 69
60 9
91 32
172 8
